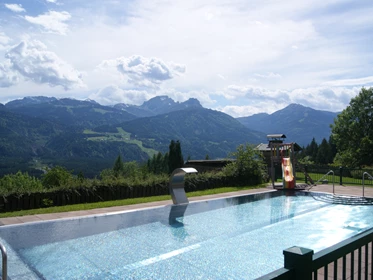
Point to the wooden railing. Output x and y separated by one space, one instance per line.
349 259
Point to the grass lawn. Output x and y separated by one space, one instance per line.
123 202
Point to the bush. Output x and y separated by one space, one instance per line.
56 177
19 183
248 166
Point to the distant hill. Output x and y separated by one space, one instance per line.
158 105
86 136
30 100
84 114
22 136
28 143
300 124
201 132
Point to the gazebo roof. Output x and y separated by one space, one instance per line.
276 136
265 147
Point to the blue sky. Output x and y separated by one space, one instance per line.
237 56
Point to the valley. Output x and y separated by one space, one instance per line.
84 136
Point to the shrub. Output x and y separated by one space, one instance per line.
19 183
56 177
249 165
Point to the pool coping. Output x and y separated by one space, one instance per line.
119 209
345 190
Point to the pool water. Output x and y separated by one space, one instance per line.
234 238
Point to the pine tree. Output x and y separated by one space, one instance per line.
311 150
175 157
333 149
118 167
323 153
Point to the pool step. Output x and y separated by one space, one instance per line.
344 199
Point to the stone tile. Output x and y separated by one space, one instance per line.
46 217
29 218
10 221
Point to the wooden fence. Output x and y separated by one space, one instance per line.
16 202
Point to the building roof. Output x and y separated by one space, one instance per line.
276 136
263 147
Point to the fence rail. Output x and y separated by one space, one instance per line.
349 259
343 175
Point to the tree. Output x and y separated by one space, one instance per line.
311 150
56 177
118 167
333 148
131 169
175 157
158 164
324 153
352 131
249 165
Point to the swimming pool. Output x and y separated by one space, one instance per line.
235 238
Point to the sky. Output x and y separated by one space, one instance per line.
240 57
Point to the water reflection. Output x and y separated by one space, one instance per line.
177 211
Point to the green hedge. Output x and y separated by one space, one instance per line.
120 189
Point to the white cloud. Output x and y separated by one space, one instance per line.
324 98
4 41
350 82
271 53
7 76
248 110
34 62
52 21
112 94
17 8
51 1
145 72
249 100
233 92
269 75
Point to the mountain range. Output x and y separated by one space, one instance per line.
85 136
300 124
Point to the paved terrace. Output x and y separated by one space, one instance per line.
345 190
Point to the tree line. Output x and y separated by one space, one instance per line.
247 169
351 140
315 153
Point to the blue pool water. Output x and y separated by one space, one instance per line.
235 238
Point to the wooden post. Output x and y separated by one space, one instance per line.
340 175
299 260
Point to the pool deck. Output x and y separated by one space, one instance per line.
345 190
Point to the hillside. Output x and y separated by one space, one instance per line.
300 124
30 143
83 114
23 138
85 136
200 131
20 135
